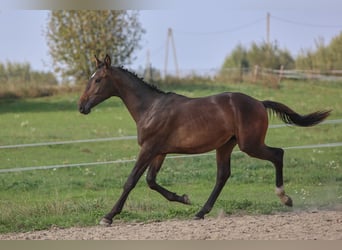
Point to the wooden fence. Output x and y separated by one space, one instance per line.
260 74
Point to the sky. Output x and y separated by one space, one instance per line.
204 34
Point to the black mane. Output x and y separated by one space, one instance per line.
141 80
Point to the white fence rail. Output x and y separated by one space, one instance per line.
21 169
121 138
257 72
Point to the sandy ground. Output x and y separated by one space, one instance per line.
295 225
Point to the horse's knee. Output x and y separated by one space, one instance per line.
279 152
151 182
129 185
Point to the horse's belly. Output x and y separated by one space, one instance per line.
198 141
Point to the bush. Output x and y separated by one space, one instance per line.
19 80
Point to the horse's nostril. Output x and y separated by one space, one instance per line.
83 109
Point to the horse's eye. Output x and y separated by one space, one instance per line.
98 80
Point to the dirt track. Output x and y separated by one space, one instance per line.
296 225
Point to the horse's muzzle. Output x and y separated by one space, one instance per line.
84 108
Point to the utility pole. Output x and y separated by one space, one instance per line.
168 40
268 28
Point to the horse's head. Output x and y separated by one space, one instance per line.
99 88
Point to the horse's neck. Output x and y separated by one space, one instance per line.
137 96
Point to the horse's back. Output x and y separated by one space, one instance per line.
179 124
191 125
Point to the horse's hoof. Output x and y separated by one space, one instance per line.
105 222
199 216
186 199
288 201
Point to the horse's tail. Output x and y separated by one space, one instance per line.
291 117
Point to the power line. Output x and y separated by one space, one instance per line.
219 32
305 24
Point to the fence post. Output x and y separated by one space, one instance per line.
281 72
241 74
255 74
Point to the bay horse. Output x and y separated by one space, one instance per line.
172 123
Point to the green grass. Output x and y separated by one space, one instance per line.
80 196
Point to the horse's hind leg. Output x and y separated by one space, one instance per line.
274 155
223 172
151 181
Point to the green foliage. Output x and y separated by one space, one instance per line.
238 58
19 80
241 64
324 57
270 56
75 36
21 73
264 55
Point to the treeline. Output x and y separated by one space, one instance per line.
242 64
323 58
264 55
19 80
22 73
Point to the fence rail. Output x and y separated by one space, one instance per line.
121 138
21 169
40 144
257 73
85 164
332 75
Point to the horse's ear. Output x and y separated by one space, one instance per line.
98 62
108 61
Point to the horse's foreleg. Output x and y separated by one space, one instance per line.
223 172
151 181
139 168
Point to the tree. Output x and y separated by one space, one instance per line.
324 57
264 55
305 60
270 56
335 52
23 74
237 59
74 37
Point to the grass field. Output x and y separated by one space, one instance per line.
65 197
